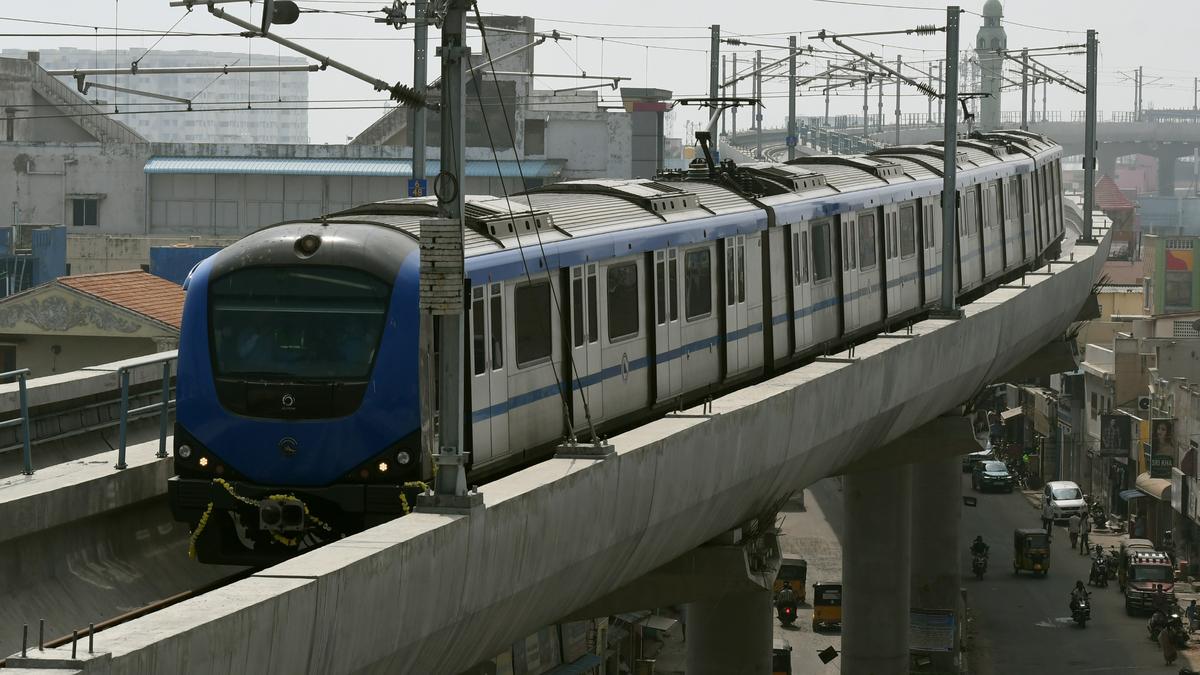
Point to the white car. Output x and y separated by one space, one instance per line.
1061 499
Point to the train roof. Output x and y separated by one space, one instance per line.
580 221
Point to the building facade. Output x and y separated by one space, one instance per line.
272 118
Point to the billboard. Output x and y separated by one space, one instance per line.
1116 435
1162 447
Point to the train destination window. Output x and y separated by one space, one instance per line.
822 251
622 283
497 328
531 318
908 231
697 283
866 240
478 348
310 323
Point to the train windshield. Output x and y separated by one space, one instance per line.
297 323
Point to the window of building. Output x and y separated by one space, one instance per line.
1095 404
908 231
697 283
531 318
822 251
84 212
866 240
8 358
622 284
535 136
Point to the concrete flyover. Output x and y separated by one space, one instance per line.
439 593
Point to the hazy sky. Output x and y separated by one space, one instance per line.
663 44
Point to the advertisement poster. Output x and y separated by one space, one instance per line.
1162 448
1116 435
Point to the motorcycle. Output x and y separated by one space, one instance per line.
1099 575
1099 518
1111 558
1081 611
979 565
786 611
1176 630
1172 622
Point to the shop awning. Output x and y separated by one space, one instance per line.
660 623
1011 413
1159 488
1129 495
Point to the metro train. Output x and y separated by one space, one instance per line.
298 415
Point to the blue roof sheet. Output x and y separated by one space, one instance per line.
476 168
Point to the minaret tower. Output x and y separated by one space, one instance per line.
991 38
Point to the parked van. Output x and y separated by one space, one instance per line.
1062 499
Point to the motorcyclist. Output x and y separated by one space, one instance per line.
1078 594
978 547
786 595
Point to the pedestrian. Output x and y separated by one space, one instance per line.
1085 527
1193 615
1167 642
1073 528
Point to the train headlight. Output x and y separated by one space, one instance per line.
307 245
403 458
185 451
383 467
203 462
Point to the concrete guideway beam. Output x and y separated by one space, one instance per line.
949 435
441 593
875 572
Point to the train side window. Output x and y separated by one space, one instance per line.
497 310
799 258
908 231
697 284
531 318
673 273
577 307
593 302
478 324
741 269
621 283
660 288
730 274
866 240
822 251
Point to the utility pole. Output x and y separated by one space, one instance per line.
950 162
1045 82
724 78
941 84
1137 96
420 51
879 119
899 63
735 108
441 250
791 121
828 81
714 89
866 107
758 117
929 99
1196 93
1025 89
1089 141
1033 82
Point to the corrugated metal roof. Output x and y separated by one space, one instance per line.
476 168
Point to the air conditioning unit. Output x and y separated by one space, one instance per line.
1144 403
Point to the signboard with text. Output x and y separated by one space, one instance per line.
931 630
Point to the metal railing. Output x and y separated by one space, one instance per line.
163 407
23 420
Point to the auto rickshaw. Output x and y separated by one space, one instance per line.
827 606
794 571
1031 551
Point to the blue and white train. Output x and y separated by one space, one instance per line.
298 410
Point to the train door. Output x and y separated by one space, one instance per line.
737 339
993 234
889 272
849 225
1012 222
624 338
781 253
931 245
802 300
489 381
667 326
1028 231
906 266
752 280
701 325
585 346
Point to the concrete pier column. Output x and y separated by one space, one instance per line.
730 634
1166 174
936 549
875 572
